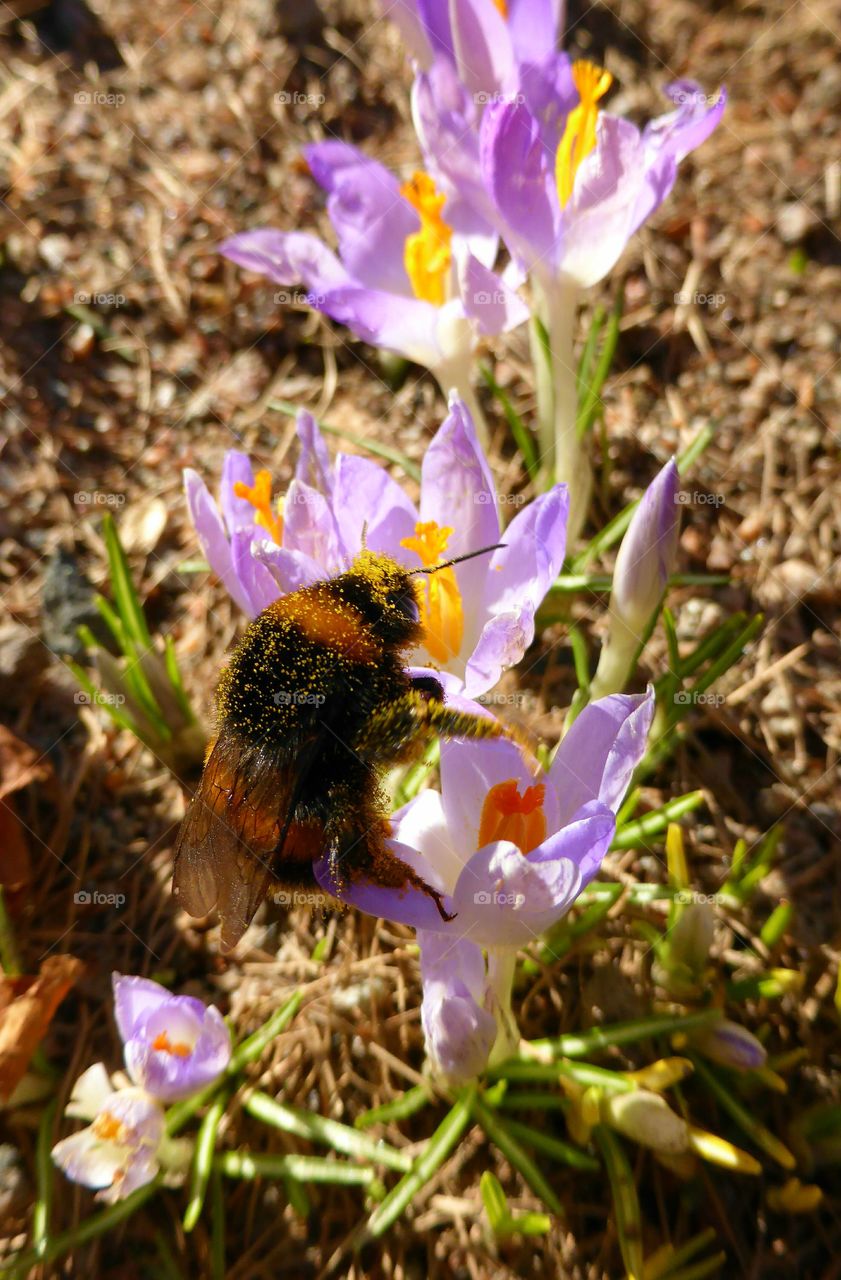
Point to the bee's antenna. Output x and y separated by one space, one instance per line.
470 555
364 534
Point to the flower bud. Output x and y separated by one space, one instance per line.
648 1119
644 564
730 1045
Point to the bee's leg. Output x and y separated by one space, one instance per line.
396 732
358 851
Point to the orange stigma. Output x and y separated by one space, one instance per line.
508 815
259 494
164 1045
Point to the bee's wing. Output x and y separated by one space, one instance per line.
230 838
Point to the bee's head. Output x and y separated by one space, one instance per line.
386 595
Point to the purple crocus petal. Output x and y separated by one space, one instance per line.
314 466
488 301
648 552
405 325
601 215
457 490
504 899
310 527
482 45
597 757
501 644
435 16
238 512
367 497
212 536
290 570
256 582
534 27
533 552
550 94
134 1000
446 119
408 906
459 1031
372 220
288 258
697 115
517 174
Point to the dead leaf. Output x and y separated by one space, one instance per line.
15 872
20 764
27 1006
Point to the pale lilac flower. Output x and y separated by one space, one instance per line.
173 1045
730 1045
411 276
570 184
509 850
120 1150
479 616
644 564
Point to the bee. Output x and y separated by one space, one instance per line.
314 705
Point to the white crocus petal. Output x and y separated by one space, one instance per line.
90 1093
421 825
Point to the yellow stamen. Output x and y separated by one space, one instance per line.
107 1127
427 254
441 609
502 7
507 815
165 1045
592 83
260 496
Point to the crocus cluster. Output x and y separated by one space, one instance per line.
517 149
173 1046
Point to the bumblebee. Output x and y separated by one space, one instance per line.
314 706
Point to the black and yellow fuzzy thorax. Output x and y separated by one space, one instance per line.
322 654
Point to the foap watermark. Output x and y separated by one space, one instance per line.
288 99
503 700
300 898
688 898
713 300
686 698
98 498
298 298
485 99
488 297
485 499
95 898
98 98
84 299
686 499
484 898
696 98
298 698
98 699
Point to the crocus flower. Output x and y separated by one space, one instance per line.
478 616
509 850
121 1149
570 184
413 271
173 1045
644 564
